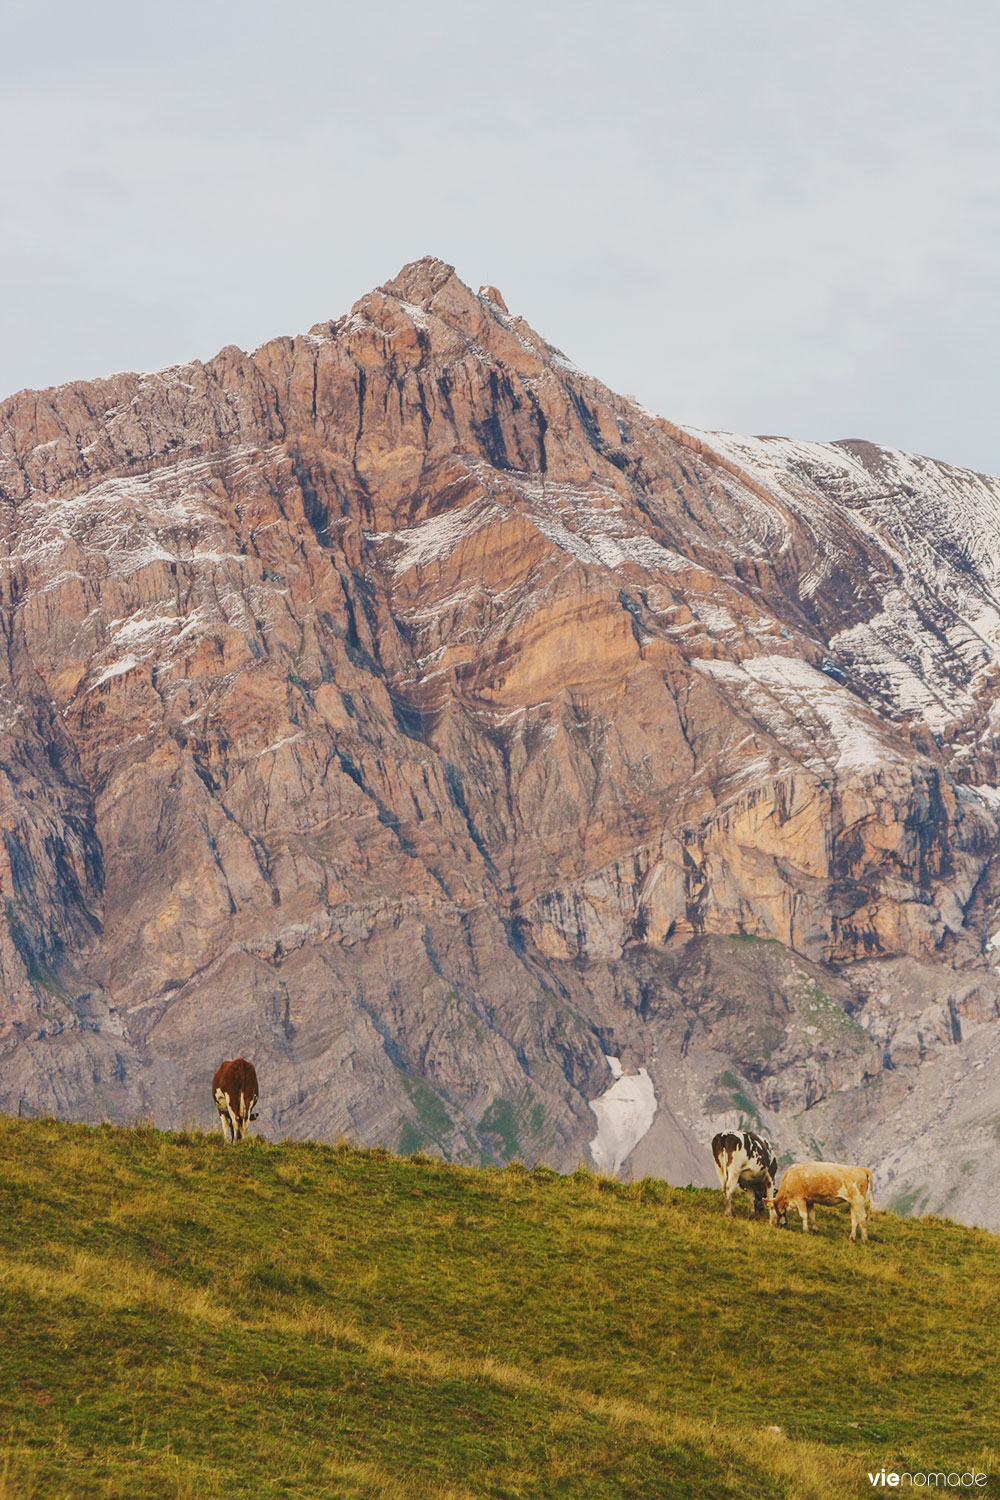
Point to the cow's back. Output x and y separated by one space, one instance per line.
754 1152
819 1180
238 1079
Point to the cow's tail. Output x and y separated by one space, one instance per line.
869 1200
720 1169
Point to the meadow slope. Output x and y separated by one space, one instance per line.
181 1318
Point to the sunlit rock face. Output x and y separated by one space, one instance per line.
402 709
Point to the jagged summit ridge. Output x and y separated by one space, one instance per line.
398 705
419 281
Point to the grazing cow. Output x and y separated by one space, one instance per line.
234 1089
745 1159
806 1183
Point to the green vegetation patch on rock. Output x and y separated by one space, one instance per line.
431 1113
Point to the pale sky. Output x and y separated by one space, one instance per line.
777 216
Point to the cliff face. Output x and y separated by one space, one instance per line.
398 706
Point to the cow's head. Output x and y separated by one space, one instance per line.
777 1212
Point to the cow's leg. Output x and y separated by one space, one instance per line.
803 1207
812 1217
730 1189
225 1114
857 1205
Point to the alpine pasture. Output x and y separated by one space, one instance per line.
184 1318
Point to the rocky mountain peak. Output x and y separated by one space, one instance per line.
401 708
420 281
432 319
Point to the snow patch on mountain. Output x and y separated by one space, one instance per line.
789 697
932 533
625 1111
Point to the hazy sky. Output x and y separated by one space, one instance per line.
762 215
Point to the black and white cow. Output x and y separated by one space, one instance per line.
747 1160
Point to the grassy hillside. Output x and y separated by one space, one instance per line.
181 1318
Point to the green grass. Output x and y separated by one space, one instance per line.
736 1099
500 1122
180 1318
907 1202
831 1021
430 1111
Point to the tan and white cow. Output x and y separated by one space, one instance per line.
234 1089
807 1183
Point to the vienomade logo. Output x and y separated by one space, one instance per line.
932 1478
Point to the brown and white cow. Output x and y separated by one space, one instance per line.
806 1183
234 1089
747 1160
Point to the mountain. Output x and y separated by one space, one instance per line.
399 707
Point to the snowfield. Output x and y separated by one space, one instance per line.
625 1111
